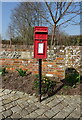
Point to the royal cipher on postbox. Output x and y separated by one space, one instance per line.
40 42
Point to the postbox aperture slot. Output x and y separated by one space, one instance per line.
41 33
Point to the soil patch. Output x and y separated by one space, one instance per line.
25 84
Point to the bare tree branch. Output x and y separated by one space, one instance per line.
56 12
64 12
68 20
50 12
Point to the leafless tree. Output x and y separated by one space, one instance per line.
23 20
51 14
10 34
60 14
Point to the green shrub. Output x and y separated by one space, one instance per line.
3 71
21 72
72 77
47 85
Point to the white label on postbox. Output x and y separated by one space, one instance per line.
40 48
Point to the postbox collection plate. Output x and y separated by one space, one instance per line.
41 48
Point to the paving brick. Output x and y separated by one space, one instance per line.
30 101
16 115
19 101
6 101
0 103
49 113
0 99
14 103
24 98
75 105
1 116
40 111
60 106
23 112
8 106
33 115
7 91
38 104
20 94
68 109
31 108
16 109
10 95
74 100
65 112
72 118
64 103
60 97
27 116
36 100
75 113
23 105
59 115
5 96
7 113
53 97
14 98
47 100
57 108
42 117
68 98
45 107
53 103
1 90
1 94
2 109
13 92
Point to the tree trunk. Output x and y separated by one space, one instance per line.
10 42
53 39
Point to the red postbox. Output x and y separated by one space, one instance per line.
40 42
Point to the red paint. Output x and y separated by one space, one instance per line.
40 42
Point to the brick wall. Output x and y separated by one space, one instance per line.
54 65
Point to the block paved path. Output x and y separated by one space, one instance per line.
15 104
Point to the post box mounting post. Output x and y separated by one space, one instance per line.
40 78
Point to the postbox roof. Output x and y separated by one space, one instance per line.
40 29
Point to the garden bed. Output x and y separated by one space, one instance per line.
14 81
